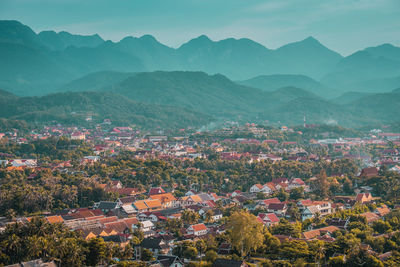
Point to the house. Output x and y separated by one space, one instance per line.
383 210
309 208
256 188
309 212
229 263
155 244
126 200
149 216
296 182
369 172
268 188
153 204
268 219
55 219
156 191
197 229
127 191
217 215
106 206
128 209
370 217
147 205
170 261
146 226
236 193
363 198
119 226
265 202
190 200
277 208
116 184
338 222
140 206
313 234
167 200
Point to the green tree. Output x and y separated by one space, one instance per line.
147 255
245 233
97 253
211 256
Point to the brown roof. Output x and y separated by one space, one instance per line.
119 226
127 191
82 214
127 200
131 221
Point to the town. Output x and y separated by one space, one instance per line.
239 195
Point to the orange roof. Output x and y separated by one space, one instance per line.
271 186
164 198
153 203
102 186
384 210
317 232
55 219
140 205
195 198
259 186
199 227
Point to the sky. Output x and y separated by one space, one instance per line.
342 25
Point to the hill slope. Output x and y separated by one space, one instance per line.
211 94
273 82
74 108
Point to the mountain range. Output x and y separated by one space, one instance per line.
222 98
37 64
66 78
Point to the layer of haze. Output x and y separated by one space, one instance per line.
342 25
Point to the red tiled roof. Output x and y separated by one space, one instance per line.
199 227
271 200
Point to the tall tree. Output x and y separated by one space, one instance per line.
245 233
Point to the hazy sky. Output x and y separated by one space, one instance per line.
342 25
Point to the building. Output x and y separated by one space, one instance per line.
197 229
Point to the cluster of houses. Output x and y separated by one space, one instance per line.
117 220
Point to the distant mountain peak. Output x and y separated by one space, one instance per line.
311 41
203 37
